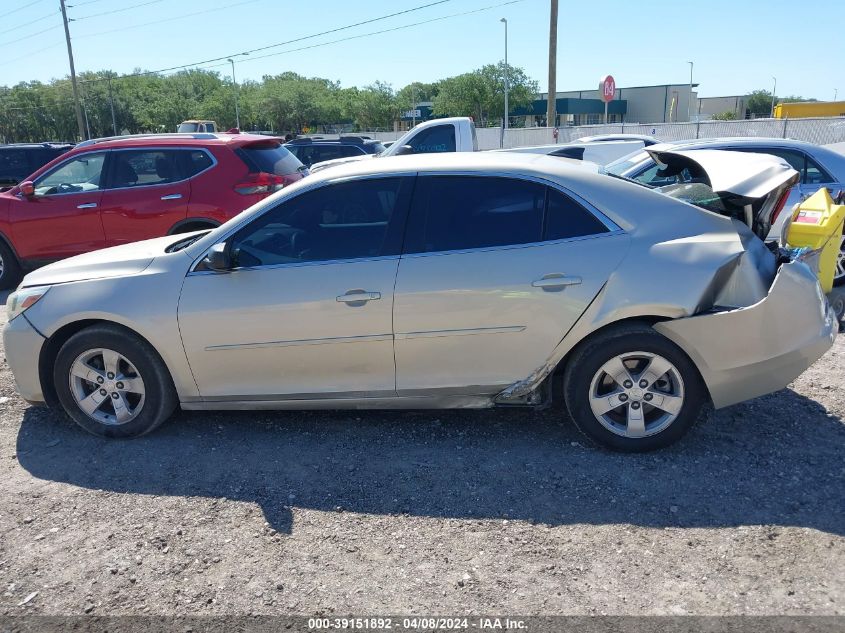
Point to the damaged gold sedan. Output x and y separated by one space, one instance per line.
440 281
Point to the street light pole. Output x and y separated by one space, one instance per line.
689 102
774 90
235 83
507 109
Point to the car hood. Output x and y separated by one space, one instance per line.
338 161
742 174
118 261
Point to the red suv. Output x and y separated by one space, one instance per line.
111 191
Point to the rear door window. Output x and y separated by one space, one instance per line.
465 212
140 168
269 157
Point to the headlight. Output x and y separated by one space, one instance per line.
20 301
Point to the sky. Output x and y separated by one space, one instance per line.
736 46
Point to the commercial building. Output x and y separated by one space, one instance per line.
708 107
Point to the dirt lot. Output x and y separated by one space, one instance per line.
406 512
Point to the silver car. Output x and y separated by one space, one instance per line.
432 281
817 166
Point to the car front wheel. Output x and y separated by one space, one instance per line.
630 389
113 383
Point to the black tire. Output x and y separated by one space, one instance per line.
160 399
10 269
589 357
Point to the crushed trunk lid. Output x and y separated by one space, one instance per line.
749 187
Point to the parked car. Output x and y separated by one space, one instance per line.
431 281
438 136
602 138
818 166
197 125
116 190
598 152
19 160
310 150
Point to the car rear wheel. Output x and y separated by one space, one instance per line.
113 383
839 274
10 271
630 389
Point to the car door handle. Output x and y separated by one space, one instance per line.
172 196
359 296
554 281
87 205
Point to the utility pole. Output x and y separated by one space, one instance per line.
551 109
111 103
507 72
79 121
774 90
689 101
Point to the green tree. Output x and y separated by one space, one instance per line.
727 115
481 93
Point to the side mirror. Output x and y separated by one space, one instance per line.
218 258
404 150
26 188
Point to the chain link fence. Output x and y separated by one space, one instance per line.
820 131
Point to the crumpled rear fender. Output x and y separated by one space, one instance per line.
755 350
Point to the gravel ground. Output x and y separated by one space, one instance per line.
466 512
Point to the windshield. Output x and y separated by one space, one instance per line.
186 128
623 166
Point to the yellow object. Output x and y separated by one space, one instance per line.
817 224
806 109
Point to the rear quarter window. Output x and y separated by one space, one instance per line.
271 158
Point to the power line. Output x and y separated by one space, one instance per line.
26 6
26 37
168 19
133 6
82 4
390 30
29 55
20 26
285 43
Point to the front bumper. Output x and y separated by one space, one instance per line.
22 344
752 351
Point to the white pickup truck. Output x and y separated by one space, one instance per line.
455 134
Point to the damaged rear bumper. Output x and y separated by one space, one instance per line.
759 349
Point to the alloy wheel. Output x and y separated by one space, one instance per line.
107 387
637 394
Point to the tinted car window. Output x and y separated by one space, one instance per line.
138 168
341 221
565 218
268 157
815 175
460 212
13 165
811 172
81 173
440 138
196 161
